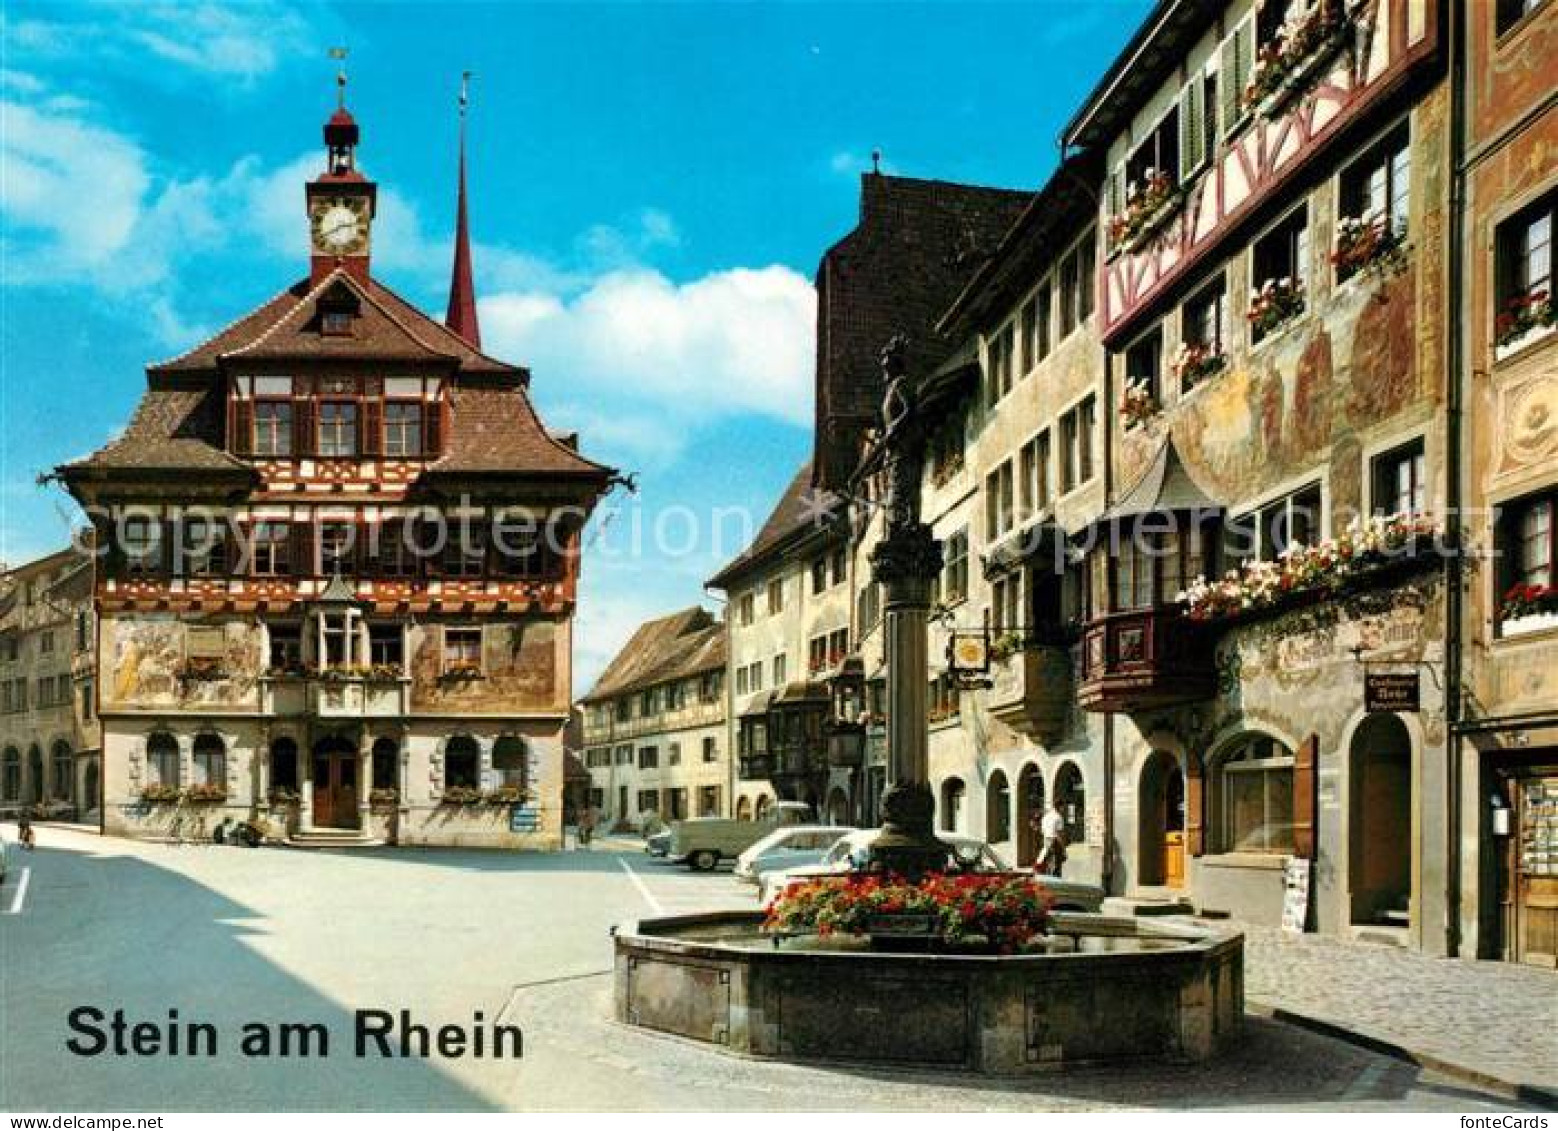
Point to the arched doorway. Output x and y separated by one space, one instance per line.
1071 799
762 808
1379 822
744 809
34 775
62 782
998 808
1162 821
838 807
335 782
1030 809
953 794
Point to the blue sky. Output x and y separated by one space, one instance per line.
651 186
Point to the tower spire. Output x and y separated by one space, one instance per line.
461 317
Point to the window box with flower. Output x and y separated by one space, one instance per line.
1138 404
281 797
1368 247
1525 319
1194 362
460 796
1276 303
383 798
1528 608
1148 206
1367 554
1295 58
156 794
206 793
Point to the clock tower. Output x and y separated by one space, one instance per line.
340 202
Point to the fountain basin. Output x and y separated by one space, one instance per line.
1106 989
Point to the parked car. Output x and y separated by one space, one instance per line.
658 843
853 853
793 847
703 842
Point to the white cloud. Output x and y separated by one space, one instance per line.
731 343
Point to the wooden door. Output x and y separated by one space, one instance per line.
335 790
1174 859
1535 887
1174 829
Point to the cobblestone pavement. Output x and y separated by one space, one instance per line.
1495 1018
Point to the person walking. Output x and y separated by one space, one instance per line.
587 822
1053 830
24 834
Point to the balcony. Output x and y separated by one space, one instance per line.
1030 690
336 695
756 767
1143 659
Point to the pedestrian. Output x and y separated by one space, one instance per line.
24 833
587 821
1052 828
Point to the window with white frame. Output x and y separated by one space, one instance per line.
403 428
1374 198
272 427
1269 531
1399 484
1524 270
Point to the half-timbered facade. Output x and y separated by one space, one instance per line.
340 561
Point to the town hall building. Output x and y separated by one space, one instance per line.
340 564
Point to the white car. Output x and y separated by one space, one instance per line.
853 853
782 849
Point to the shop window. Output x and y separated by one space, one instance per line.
209 761
462 763
1399 481
509 758
162 759
1255 784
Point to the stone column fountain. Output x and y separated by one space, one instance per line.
905 563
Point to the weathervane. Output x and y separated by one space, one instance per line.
465 90
339 55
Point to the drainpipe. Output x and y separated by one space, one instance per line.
1454 604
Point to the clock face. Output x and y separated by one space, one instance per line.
339 228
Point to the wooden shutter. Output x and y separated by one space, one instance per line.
370 427
1237 54
241 442
433 425
300 553
1305 784
1192 128
1116 190
1195 804
303 435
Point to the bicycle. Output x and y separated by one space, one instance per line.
178 834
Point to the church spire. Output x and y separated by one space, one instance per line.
461 317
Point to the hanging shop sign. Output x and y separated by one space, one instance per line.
969 652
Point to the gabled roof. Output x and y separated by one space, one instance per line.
175 427
684 644
496 429
1165 486
387 328
916 244
801 510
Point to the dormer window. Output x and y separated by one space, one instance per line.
335 323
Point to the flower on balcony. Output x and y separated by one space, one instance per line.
1275 302
1193 362
1374 245
205 793
1332 565
1283 61
1528 600
1146 203
1138 404
1006 645
1521 314
1003 913
160 794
